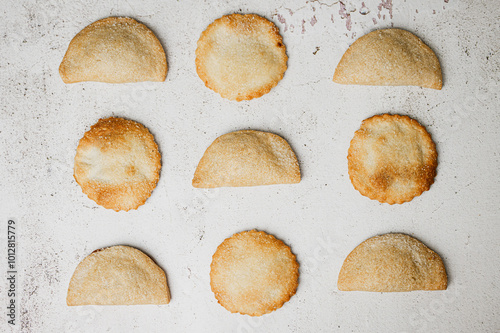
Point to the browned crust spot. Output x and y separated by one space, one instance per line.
241 77
84 61
253 273
392 159
117 164
392 263
389 57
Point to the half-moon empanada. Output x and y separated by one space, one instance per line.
247 158
114 50
118 275
389 57
392 262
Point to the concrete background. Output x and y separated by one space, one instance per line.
323 218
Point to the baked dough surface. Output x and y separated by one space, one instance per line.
392 159
247 158
389 57
118 275
241 56
253 273
117 164
114 50
392 262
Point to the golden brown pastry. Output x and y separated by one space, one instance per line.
117 164
118 275
392 159
392 262
114 50
253 273
389 57
241 56
247 158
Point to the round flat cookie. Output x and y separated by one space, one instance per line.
114 50
253 273
118 275
392 263
392 159
117 164
241 56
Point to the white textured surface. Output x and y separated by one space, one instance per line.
323 218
